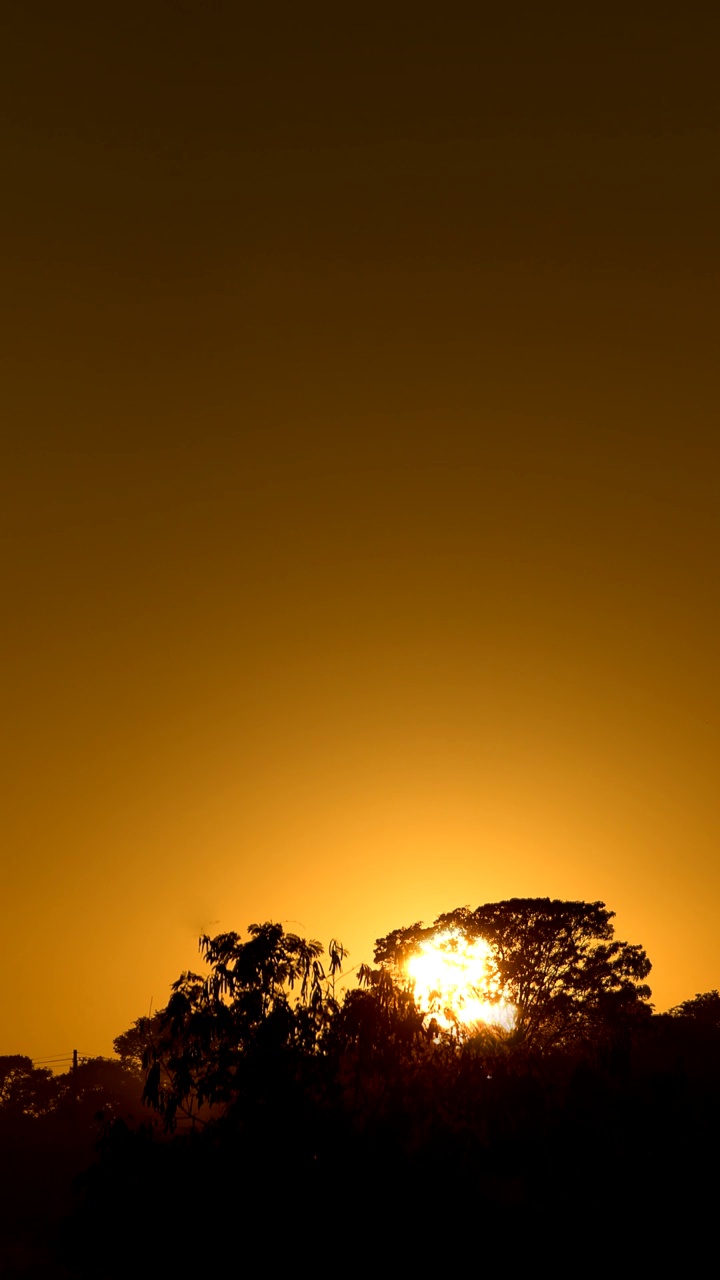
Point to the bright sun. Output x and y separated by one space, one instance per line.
456 981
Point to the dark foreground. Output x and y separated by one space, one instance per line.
464 1159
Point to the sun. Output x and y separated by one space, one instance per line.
455 980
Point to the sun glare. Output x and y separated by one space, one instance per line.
456 982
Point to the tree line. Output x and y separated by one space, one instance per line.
271 1096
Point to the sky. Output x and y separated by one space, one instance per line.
360 480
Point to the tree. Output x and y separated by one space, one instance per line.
704 1009
132 1045
378 1021
103 1087
557 961
264 1004
25 1089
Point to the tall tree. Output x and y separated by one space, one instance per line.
263 1002
557 961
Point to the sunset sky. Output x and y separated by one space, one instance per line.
360 482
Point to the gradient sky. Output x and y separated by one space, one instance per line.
360 479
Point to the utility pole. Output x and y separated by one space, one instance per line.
74 1075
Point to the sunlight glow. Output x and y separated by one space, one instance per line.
456 981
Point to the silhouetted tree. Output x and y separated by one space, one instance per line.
265 1001
103 1088
558 962
132 1045
379 1020
284 1086
704 1008
25 1089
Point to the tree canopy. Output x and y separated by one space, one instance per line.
703 1009
559 962
267 1007
264 1001
24 1088
276 1086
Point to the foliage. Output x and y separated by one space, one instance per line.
558 961
265 1019
264 1005
132 1045
704 1008
275 1091
379 1020
25 1089
97 1085
261 1072
103 1087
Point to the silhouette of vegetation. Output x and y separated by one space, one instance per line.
277 1110
25 1089
49 1129
570 980
132 1045
704 1009
264 1002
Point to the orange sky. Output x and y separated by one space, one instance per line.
360 485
